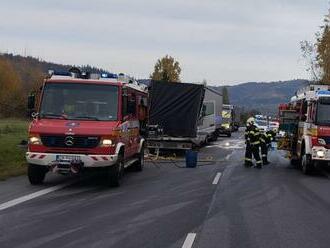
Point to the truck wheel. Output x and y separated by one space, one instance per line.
116 172
36 174
307 164
140 163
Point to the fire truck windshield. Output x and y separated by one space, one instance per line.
323 111
76 101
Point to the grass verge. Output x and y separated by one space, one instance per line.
12 157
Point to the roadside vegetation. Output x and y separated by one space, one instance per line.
12 158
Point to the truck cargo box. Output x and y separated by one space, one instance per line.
175 107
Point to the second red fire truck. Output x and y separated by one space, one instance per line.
305 122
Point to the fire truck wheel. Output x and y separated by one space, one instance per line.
307 164
140 163
116 172
36 174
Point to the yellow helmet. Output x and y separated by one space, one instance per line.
250 121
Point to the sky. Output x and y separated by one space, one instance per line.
221 41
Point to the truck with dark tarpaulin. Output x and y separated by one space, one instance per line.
174 112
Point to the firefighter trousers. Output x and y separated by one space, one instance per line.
252 150
264 152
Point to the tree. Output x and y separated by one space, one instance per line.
323 50
225 95
166 69
309 53
11 95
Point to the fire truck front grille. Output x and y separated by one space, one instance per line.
70 141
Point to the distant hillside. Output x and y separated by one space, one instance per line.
264 97
30 69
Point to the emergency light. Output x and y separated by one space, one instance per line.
59 73
323 93
109 75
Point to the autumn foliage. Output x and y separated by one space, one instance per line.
11 91
166 69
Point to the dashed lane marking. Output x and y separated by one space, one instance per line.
28 197
188 243
217 178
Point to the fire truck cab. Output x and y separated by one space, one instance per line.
311 139
87 121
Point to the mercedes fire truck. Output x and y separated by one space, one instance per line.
86 122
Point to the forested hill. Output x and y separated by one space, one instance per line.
30 68
264 97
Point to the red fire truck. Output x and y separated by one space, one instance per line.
86 121
305 124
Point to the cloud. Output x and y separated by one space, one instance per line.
221 41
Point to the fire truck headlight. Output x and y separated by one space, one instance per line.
106 142
322 142
35 140
320 154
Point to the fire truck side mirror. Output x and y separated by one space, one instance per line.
31 102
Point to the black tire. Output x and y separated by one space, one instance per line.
36 174
307 165
116 172
138 166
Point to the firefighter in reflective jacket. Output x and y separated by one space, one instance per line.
252 137
265 141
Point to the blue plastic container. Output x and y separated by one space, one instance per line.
191 159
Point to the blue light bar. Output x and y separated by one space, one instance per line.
109 75
59 73
323 92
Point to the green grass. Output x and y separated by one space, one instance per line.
12 157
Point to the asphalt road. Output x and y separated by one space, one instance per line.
217 204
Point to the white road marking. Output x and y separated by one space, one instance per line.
32 196
189 240
217 178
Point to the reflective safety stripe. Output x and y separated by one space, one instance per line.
269 135
264 155
256 143
262 140
248 159
259 162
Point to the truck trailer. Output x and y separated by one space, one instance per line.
174 112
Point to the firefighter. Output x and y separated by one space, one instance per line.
252 137
264 144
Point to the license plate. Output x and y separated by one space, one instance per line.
67 158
